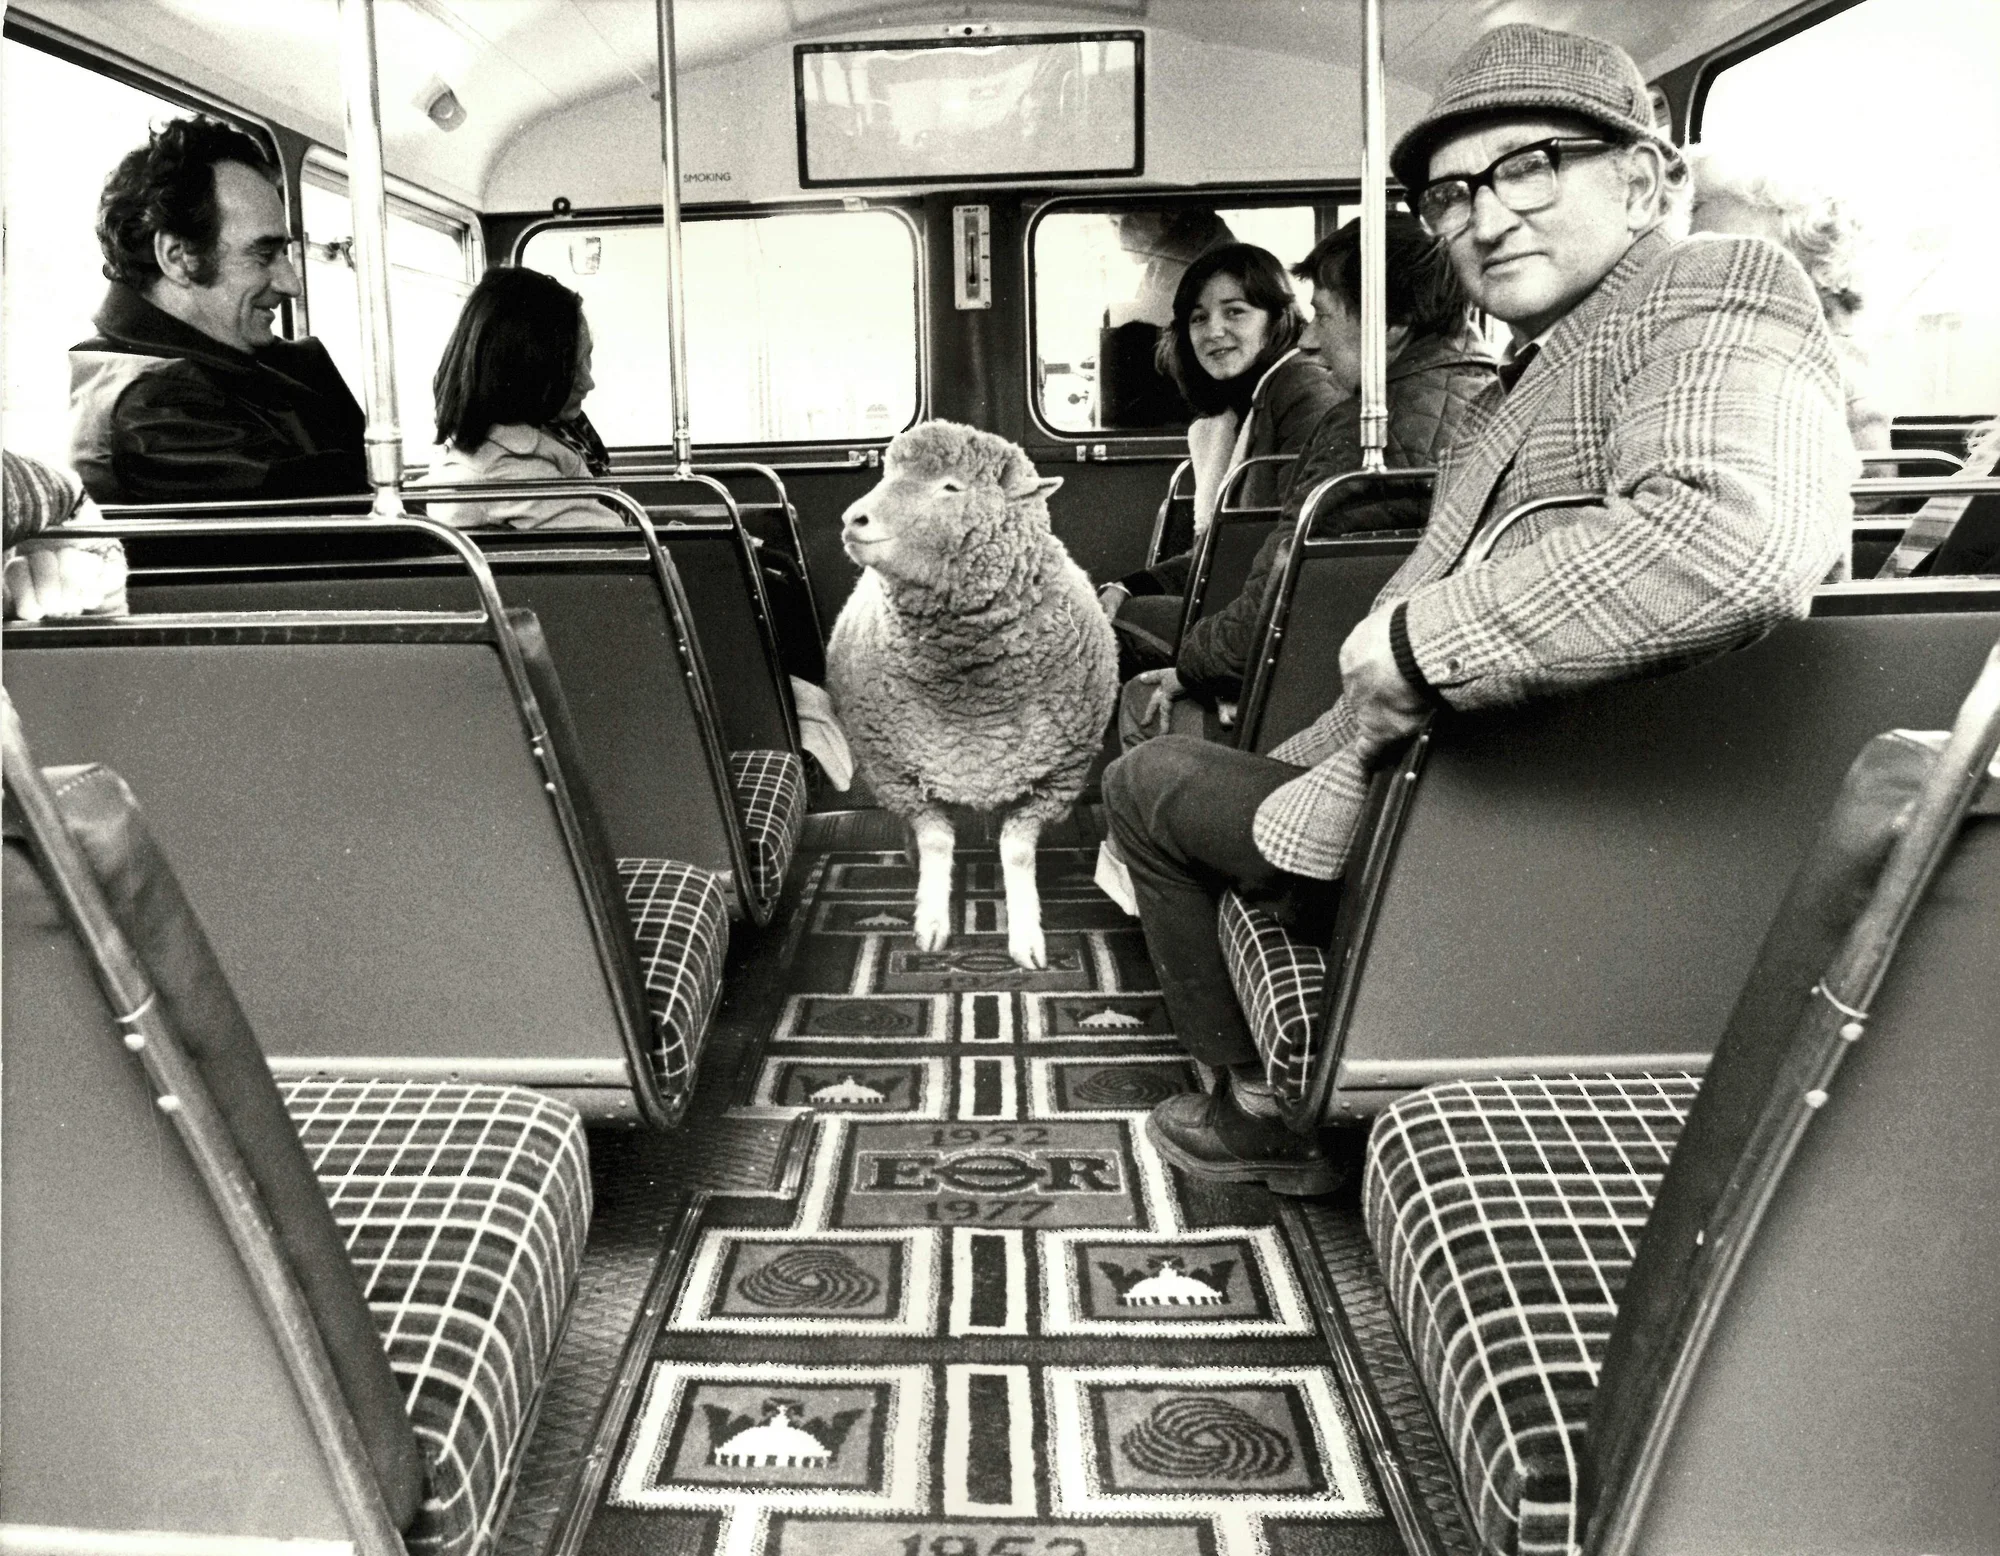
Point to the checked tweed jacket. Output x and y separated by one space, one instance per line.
1698 390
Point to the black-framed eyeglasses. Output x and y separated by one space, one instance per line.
1524 180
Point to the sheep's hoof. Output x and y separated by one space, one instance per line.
933 927
1028 948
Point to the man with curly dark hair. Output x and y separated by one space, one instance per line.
186 393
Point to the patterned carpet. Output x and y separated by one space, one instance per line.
993 1322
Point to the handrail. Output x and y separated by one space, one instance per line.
766 473
610 930
1238 473
1913 456
1833 1023
183 1096
1159 535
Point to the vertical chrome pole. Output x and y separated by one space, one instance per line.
670 221
1374 297
369 201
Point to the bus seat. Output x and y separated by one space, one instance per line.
1579 884
1280 983
731 617
1508 1213
388 867
649 728
465 1210
145 1389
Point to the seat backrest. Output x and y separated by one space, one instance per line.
145 1388
1579 884
1222 560
731 613
1321 597
648 734
767 512
1805 1351
378 851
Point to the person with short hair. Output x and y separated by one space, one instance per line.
1233 351
509 390
1732 194
186 393
1437 364
1693 384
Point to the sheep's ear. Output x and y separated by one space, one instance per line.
1048 486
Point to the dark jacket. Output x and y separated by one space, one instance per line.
1430 385
1286 408
161 413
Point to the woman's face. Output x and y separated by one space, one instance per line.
584 382
1228 331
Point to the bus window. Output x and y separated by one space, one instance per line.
1104 285
65 129
1894 106
801 328
433 260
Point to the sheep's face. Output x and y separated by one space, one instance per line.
948 496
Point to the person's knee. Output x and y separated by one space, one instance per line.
1147 777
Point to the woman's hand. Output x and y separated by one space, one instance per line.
1110 597
1167 690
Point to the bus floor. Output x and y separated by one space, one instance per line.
911 1281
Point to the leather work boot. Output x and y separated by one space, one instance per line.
1209 1136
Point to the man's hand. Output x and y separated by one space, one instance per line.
57 575
1111 596
1388 707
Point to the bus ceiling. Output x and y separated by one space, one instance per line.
512 108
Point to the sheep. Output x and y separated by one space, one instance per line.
972 665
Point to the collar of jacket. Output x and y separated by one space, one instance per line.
127 321
524 441
1424 353
1561 340
1261 392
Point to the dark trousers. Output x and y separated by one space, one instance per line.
1181 811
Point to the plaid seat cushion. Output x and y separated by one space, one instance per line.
681 921
465 1210
1506 1214
771 794
1278 983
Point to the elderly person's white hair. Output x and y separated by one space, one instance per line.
1790 207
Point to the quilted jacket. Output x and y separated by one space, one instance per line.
1288 406
1697 390
161 413
1430 385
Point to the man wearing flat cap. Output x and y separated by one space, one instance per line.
1693 384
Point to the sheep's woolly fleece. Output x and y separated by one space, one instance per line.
974 666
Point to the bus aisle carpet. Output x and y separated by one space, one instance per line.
993 1322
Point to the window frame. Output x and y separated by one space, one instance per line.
1325 198
1751 44
326 168
640 216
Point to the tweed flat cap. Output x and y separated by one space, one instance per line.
1528 69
